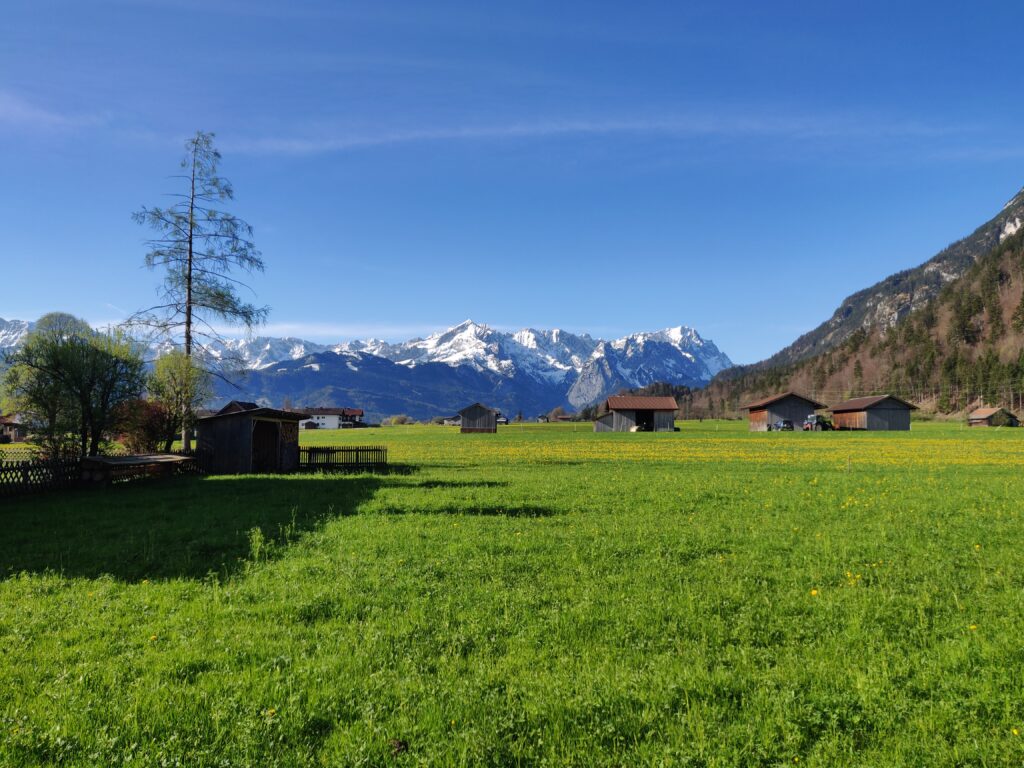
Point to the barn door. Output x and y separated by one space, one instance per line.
264 447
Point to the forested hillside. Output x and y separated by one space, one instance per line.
962 347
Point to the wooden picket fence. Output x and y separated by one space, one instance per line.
29 476
362 458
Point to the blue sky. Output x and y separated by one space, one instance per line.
605 167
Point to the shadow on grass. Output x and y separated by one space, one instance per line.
509 510
186 527
189 527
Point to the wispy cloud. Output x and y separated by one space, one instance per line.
753 125
18 112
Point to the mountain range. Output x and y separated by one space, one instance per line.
529 370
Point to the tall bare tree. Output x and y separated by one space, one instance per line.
198 247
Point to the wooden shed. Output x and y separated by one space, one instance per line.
478 418
637 413
992 417
876 413
790 406
244 438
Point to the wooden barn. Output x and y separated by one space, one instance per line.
876 413
637 413
790 406
992 417
244 438
478 418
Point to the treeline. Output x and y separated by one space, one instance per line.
77 389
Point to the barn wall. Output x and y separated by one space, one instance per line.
759 420
289 446
851 420
664 421
623 421
604 423
228 444
888 419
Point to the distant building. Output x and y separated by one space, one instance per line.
786 406
333 418
992 417
244 438
877 413
452 421
637 413
11 430
478 418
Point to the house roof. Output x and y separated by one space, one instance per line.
335 411
765 402
641 403
985 413
269 413
9 421
864 403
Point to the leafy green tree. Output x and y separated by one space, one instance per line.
199 247
69 378
180 387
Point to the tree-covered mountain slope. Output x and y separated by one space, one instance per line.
962 346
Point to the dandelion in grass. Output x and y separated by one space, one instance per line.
152 638
814 592
1015 731
973 627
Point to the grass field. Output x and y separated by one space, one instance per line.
542 596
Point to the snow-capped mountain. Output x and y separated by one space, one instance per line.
528 370
12 333
525 369
548 356
255 353
675 355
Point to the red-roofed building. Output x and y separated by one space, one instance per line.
992 417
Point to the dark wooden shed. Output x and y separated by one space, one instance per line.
992 417
790 406
876 413
478 418
637 413
244 438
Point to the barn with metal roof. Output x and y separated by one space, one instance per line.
637 413
875 413
992 417
785 406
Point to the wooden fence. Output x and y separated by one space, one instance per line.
363 458
29 476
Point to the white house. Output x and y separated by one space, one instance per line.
333 418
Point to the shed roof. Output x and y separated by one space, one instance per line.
478 405
765 402
9 421
985 413
237 406
266 413
865 403
641 403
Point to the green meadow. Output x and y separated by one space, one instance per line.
543 596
